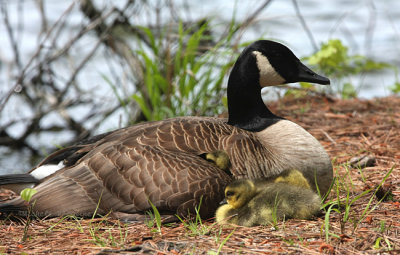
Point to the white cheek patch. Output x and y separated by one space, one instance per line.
268 75
46 170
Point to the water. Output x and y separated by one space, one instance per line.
367 27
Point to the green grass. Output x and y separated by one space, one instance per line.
100 231
155 219
182 78
196 227
345 202
274 213
343 207
103 236
222 243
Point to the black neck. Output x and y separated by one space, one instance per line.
245 105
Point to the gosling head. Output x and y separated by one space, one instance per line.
240 192
293 177
220 159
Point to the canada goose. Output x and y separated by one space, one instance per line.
163 161
251 203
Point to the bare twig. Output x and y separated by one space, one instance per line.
18 86
254 15
250 18
304 24
369 32
10 32
82 64
328 136
43 18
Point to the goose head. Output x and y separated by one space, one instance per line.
263 63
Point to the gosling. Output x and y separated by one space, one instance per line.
251 203
220 159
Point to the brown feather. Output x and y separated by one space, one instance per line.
158 161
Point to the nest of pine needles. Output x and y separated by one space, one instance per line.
362 213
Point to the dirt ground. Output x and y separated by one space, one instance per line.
346 128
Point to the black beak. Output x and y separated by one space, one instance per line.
307 75
223 202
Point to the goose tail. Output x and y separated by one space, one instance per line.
17 182
15 207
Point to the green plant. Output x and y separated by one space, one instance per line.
183 78
344 206
382 226
196 227
221 244
274 213
27 194
96 233
340 205
102 233
149 220
76 223
367 209
334 60
331 207
359 168
377 244
155 218
102 237
395 88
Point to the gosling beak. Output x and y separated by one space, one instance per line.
223 202
307 75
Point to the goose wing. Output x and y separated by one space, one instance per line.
122 171
187 135
121 179
157 161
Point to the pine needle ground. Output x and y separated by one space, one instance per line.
365 224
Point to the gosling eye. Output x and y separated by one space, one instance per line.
229 193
